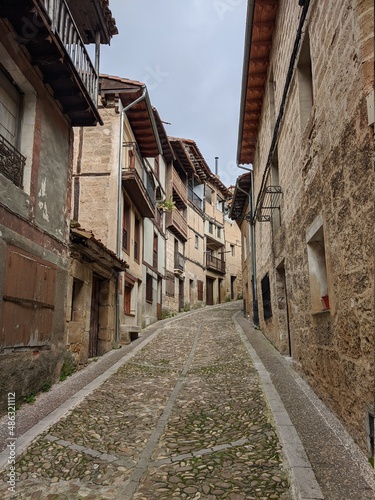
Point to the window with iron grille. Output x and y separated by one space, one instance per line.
170 284
149 283
200 289
266 297
11 161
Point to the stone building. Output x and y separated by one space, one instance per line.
91 311
47 86
115 190
199 226
306 126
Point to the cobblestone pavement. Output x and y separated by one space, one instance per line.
183 418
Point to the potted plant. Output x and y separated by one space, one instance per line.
168 204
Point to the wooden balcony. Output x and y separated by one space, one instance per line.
177 224
179 264
215 264
138 182
47 29
179 190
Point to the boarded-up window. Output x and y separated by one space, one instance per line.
200 289
170 284
149 281
28 302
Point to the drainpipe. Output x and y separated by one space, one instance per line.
119 199
253 250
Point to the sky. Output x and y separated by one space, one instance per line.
189 54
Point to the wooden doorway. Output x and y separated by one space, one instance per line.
181 298
210 291
94 317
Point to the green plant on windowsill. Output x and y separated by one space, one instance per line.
168 204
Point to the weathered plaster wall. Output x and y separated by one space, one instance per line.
34 219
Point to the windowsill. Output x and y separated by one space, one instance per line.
129 314
323 311
149 301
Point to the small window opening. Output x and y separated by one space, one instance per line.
266 297
318 271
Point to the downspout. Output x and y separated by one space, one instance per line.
253 251
119 199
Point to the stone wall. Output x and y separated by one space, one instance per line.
326 175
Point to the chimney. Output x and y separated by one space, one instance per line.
216 165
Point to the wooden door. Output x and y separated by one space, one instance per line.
94 318
210 292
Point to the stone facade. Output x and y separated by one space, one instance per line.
315 255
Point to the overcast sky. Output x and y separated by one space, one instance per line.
189 54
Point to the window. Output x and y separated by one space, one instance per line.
210 227
137 237
220 205
155 251
200 289
317 267
266 297
218 229
126 227
149 281
305 82
127 298
11 161
232 249
196 242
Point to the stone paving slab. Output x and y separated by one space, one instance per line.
185 417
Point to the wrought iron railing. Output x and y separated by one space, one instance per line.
62 23
12 162
142 169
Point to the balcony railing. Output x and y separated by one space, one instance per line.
176 223
138 173
179 187
215 264
12 162
179 262
62 23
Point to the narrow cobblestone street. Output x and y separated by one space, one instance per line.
185 417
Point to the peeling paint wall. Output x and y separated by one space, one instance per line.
34 220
